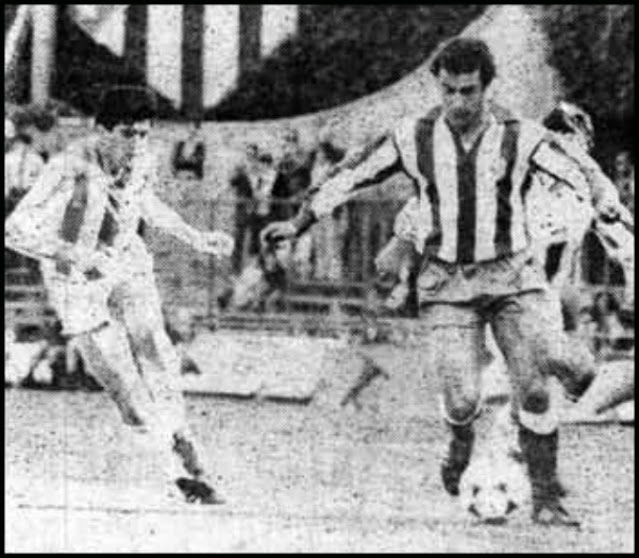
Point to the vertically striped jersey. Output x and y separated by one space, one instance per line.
474 198
75 203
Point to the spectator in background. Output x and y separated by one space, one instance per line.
293 177
22 165
291 185
27 142
253 182
624 178
190 154
38 124
329 235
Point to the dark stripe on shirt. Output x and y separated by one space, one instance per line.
503 232
426 165
467 196
382 175
75 211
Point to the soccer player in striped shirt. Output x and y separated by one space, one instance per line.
82 222
471 164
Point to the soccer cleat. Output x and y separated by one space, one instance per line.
552 513
198 491
458 458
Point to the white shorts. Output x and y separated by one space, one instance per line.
84 305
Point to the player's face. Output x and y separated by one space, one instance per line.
123 141
462 98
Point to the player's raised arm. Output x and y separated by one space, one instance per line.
364 168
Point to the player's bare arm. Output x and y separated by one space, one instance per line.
160 215
364 168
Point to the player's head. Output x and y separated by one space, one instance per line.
124 118
464 68
573 122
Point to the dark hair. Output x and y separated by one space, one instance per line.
125 105
465 56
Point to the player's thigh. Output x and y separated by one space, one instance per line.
527 329
137 304
454 336
80 305
109 359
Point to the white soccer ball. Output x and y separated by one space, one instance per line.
493 487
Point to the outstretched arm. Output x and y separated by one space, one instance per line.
160 215
362 169
573 165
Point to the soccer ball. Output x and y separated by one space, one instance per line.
495 483
493 487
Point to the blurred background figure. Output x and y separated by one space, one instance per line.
22 162
189 155
624 178
252 182
291 185
329 235
30 138
263 282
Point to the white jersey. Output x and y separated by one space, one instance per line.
22 167
75 204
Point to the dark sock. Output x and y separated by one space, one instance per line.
540 454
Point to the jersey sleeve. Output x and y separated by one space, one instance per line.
365 168
413 223
33 228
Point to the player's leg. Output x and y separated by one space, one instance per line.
108 357
562 355
613 385
139 303
83 311
455 340
518 330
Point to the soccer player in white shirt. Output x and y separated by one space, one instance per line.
82 220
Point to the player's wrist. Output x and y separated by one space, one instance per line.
304 220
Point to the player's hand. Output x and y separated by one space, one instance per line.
215 243
101 263
609 210
277 232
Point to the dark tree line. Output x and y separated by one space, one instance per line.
592 46
342 53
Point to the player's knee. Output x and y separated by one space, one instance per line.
463 409
535 398
145 342
574 371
